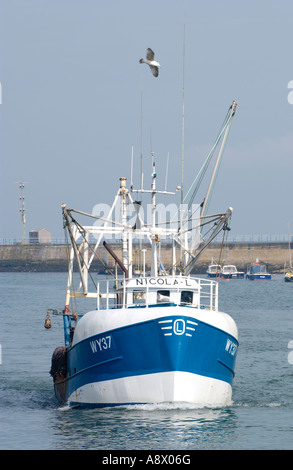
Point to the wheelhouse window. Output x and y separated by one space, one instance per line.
163 296
186 297
139 297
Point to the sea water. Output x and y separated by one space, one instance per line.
261 416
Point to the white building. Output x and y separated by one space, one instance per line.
40 235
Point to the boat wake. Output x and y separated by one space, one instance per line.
168 406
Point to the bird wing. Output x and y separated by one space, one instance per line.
155 70
150 55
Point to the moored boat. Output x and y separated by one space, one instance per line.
229 271
258 272
288 277
213 270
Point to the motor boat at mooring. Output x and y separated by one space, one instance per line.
213 269
229 271
258 272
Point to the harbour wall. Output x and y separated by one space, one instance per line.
54 258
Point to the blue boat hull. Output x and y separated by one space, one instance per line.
170 358
259 277
232 276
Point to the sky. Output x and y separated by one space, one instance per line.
75 100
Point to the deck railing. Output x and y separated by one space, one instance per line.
120 294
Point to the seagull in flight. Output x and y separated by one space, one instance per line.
150 60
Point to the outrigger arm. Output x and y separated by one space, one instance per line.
221 225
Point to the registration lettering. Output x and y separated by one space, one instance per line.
101 344
231 347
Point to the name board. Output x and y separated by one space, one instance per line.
165 282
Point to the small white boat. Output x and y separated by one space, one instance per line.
229 271
213 270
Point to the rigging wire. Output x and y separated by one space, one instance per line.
224 242
82 233
205 165
198 179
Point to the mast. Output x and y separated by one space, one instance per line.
184 240
183 115
153 232
154 265
123 194
289 246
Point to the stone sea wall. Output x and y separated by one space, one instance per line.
54 258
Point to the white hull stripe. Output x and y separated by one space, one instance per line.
154 388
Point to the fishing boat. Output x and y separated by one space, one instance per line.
229 271
258 272
214 269
146 339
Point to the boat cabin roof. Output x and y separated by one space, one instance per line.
229 268
214 267
258 268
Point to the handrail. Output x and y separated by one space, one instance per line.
205 293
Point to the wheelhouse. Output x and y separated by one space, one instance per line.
157 291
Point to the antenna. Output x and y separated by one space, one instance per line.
131 169
141 173
167 171
183 85
184 239
22 210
